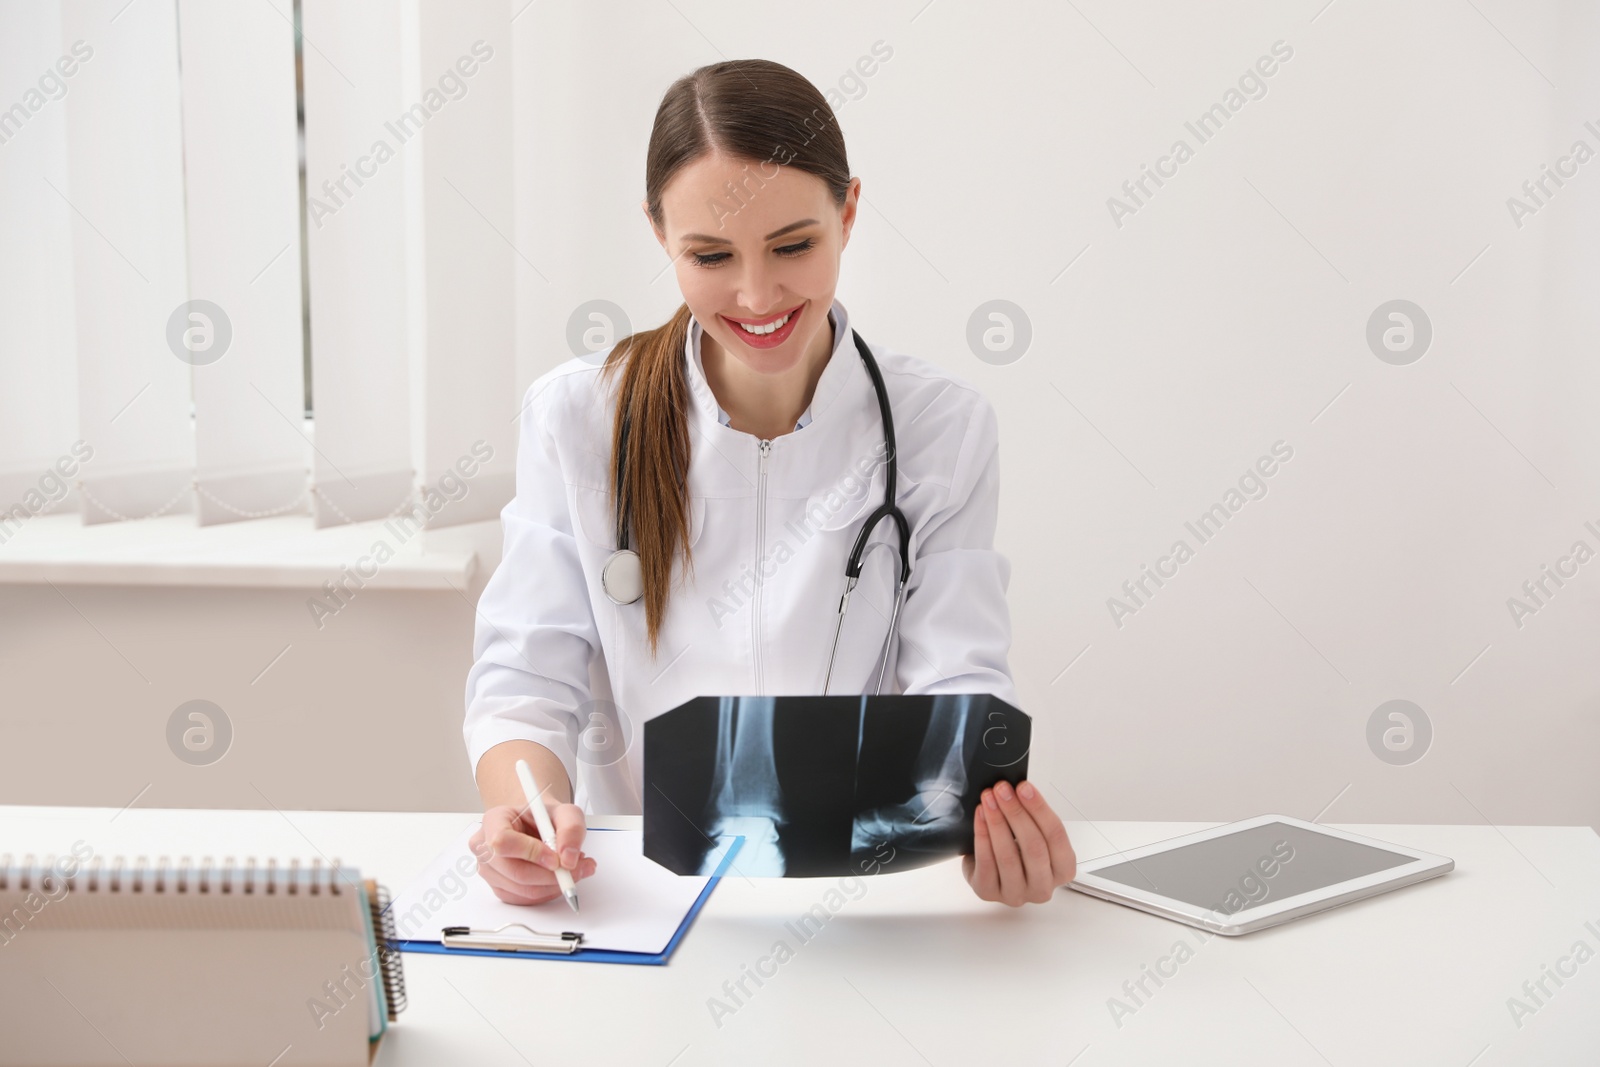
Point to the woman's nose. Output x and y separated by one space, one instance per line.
760 291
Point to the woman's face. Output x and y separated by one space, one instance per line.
757 243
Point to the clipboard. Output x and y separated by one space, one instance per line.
534 942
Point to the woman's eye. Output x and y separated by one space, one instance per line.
800 248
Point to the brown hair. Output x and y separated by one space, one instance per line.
750 109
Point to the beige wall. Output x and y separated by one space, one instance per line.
365 713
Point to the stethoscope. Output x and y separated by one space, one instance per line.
622 578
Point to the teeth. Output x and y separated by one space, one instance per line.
771 327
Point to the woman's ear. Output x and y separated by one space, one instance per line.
661 238
847 211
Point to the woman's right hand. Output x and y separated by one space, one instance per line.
519 867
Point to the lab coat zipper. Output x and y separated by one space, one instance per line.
761 538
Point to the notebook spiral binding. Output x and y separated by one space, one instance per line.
118 876
383 928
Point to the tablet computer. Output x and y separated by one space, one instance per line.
1249 875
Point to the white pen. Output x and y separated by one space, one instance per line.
541 818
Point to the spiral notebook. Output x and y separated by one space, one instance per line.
112 962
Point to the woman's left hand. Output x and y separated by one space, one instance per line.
1020 851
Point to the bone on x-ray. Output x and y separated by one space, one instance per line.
825 786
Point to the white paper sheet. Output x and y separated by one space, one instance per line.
630 903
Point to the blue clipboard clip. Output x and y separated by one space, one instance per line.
508 939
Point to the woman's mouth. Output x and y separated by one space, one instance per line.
766 333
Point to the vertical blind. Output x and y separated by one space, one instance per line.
242 203
123 190
154 323
38 368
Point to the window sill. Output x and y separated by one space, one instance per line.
281 552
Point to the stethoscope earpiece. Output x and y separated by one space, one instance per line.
622 578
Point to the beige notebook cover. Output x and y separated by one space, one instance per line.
117 963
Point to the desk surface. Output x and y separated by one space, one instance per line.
912 969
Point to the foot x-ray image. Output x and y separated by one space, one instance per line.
825 786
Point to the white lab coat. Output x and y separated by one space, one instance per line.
769 540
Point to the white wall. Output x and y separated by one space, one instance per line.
1223 316
1220 318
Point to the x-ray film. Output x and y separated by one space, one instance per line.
825 786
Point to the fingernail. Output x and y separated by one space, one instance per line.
1004 789
1026 791
569 858
988 799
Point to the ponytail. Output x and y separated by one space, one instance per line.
652 401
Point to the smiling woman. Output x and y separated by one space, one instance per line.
748 276
699 466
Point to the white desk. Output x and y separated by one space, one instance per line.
918 971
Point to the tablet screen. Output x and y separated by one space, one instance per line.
1248 868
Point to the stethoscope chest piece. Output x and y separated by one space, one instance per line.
622 578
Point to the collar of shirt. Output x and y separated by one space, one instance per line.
723 417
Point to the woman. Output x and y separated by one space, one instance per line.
754 451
